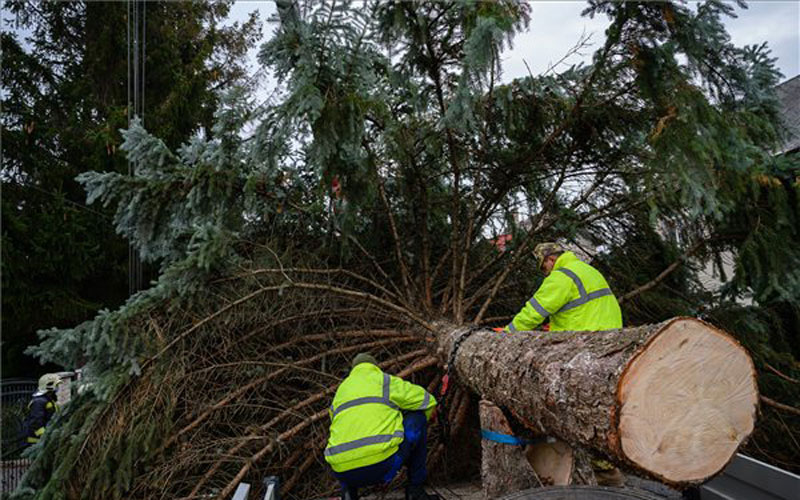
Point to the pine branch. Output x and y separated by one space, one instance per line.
345 272
233 395
401 261
305 339
340 291
434 71
440 264
422 229
375 264
369 298
307 286
295 319
289 434
283 437
310 460
521 251
664 274
459 298
293 410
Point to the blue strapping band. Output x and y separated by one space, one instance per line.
506 439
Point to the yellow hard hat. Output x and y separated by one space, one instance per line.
545 250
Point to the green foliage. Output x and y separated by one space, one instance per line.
643 257
65 94
660 151
771 334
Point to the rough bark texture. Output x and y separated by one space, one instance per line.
566 384
504 467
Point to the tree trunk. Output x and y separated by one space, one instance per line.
672 400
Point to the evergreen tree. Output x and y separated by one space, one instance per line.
363 202
65 97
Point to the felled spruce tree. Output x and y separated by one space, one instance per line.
360 205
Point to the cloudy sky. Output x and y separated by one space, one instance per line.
557 25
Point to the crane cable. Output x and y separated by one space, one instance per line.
136 44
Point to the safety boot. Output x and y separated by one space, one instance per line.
349 494
417 492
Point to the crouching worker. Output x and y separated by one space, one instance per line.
379 422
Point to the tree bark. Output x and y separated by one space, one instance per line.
504 467
672 400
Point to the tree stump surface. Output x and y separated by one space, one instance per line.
552 462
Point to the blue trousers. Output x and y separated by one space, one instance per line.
412 452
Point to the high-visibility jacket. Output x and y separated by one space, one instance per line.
40 410
575 296
367 419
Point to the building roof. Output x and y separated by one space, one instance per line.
788 94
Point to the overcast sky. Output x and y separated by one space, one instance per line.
557 25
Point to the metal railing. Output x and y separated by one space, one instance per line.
14 396
746 478
12 472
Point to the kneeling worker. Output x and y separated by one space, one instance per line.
378 423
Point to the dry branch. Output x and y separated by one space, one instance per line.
781 374
233 395
663 274
780 406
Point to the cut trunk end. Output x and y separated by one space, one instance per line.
687 401
673 400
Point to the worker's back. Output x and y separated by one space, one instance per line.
378 424
590 303
366 427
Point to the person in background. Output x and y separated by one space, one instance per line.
379 423
41 408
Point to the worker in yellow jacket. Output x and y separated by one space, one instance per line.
574 295
378 423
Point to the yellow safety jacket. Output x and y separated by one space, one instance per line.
366 417
575 296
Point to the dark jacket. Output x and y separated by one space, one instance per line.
40 410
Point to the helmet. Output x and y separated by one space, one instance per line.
49 382
545 250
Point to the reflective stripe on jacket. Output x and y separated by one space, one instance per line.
366 416
41 408
575 296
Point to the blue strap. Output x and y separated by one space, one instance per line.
506 439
